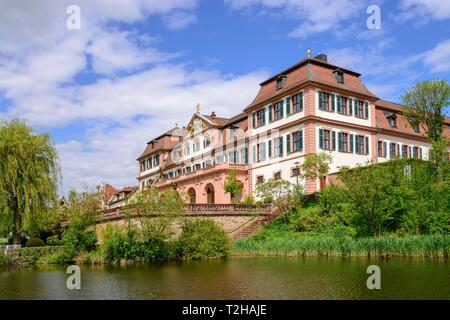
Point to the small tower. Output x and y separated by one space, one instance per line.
197 108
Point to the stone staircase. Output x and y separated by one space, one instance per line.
253 226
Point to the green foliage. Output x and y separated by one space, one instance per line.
28 178
281 193
331 199
203 239
35 242
249 199
81 209
3 260
232 184
54 241
77 240
316 166
409 246
134 245
382 199
426 104
30 256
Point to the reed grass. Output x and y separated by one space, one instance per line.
434 246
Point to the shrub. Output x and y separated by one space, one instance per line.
54 241
76 240
134 245
3 260
203 239
330 199
35 242
308 220
31 255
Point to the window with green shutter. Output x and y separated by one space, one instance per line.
288 144
351 143
301 139
384 149
320 100
297 102
357 144
297 141
366 112
288 106
334 139
277 111
350 106
366 146
254 119
333 102
340 141
281 146
281 108
270 113
320 138
269 147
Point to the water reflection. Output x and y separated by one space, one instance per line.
246 278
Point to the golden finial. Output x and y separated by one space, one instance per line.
309 53
197 107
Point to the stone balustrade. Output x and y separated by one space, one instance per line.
203 209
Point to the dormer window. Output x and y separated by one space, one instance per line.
280 82
392 119
339 75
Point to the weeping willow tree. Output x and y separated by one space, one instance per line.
28 177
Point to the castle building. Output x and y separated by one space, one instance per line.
310 107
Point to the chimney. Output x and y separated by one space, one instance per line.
213 115
321 57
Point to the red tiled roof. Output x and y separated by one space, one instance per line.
311 70
403 124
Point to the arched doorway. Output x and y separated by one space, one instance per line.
209 193
191 194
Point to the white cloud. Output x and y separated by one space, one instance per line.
313 16
138 91
438 59
135 109
435 9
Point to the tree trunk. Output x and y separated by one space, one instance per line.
17 223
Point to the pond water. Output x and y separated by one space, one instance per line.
237 278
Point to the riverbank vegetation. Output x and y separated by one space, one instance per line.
400 207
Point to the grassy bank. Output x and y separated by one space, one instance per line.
411 246
28 256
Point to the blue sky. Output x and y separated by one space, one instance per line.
136 68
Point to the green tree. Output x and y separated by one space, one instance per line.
80 210
425 106
281 193
29 175
156 210
316 166
232 185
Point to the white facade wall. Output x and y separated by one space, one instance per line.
272 165
285 120
340 117
344 159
